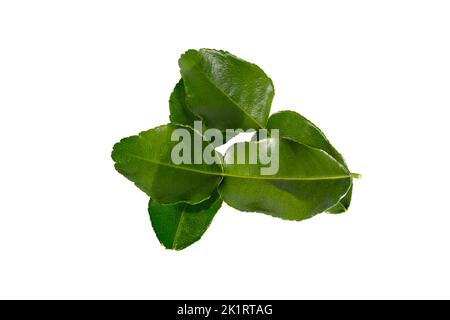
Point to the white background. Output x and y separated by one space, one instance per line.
76 76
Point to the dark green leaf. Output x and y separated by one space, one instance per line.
296 127
179 112
177 226
225 91
145 159
308 182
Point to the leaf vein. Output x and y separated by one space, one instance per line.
224 174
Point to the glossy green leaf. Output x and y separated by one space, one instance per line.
308 181
226 91
179 112
177 226
145 159
296 127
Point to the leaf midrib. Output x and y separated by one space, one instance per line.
223 174
177 231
